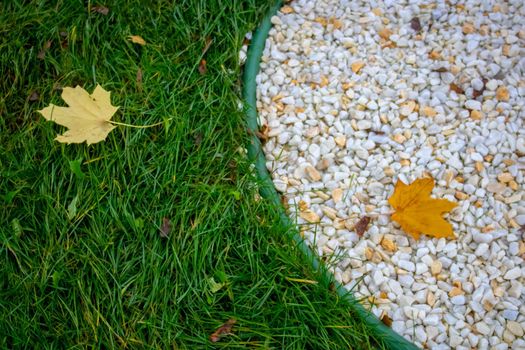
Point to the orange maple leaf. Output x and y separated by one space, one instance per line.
417 213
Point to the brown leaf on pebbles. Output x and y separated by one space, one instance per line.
502 94
457 89
361 226
356 66
310 216
415 24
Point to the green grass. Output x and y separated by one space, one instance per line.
82 263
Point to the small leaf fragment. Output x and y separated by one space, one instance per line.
137 39
202 67
456 88
361 226
35 96
42 52
103 10
165 228
223 330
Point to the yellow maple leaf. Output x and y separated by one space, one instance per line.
417 213
87 117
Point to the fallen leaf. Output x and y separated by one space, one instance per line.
441 70
87 117
417 213
103 10
64 43
202 67
415 24
42 52
136 39
223 330
165 228
361 226
34 96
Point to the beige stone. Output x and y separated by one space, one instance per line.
310 216
436 267
468 28
388 245
505 177
356 66
312 173
502 94
340 141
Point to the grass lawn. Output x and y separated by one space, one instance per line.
82 262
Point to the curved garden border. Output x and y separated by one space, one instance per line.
393 340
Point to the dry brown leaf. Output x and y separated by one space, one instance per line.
165 228
417 213
87 117
137 39
42 52
415 24
202 67
103 10
223 330
361 226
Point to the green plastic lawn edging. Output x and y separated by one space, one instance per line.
391 339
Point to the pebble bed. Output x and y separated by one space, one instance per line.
354 95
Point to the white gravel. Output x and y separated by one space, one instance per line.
354 97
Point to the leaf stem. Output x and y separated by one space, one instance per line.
137 126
